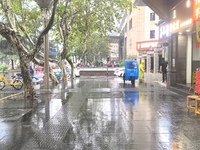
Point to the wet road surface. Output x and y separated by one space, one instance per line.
101 113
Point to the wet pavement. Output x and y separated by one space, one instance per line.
100 113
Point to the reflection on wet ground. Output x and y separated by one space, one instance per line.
103 114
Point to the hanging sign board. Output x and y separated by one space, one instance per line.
198 31
146 45
196 18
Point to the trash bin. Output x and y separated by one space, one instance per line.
36 83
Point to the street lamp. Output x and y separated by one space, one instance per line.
44 6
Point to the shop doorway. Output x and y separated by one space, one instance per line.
152 64
145 64
160 61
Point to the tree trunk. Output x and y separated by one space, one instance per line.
63 69
27 80
72 67
63 58
53 77
85 47
12 63
12 37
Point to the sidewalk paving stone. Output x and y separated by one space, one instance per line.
103 114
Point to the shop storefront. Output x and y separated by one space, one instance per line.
164 37
195 57
181 45
146 51
195 39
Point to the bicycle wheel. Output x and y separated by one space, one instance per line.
2 85
18 84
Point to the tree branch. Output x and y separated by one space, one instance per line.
24 31
45 31
11 36
6 9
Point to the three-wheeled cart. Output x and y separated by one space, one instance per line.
131 71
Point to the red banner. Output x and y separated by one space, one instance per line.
147 45
196 10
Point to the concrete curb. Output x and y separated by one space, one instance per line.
12 95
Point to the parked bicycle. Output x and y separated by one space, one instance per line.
16 82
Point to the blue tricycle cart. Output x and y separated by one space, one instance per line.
131 71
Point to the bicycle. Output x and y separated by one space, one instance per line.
16 82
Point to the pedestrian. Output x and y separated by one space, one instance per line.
141 71
164 70
31 71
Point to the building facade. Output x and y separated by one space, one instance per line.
184 41
114 51
140 31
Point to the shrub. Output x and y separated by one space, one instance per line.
121 63
3 67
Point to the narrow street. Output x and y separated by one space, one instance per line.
100 113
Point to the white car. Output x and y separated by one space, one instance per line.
119 72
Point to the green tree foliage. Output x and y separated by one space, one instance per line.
80 17
3 67
76 21
98 47
121 63
97 17
21 20
6 48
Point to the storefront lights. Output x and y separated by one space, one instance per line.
174 14
188 3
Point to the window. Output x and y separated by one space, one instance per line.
130 24
152 16
131 65
152 34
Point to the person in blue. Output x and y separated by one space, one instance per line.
31 71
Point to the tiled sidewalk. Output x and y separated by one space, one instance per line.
102 114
